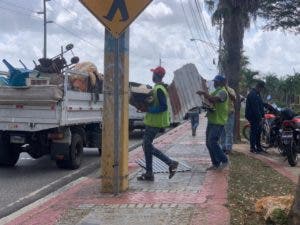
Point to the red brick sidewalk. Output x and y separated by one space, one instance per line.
196 197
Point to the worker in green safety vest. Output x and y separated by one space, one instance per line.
216 119
156 118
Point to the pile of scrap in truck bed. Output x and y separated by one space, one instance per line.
91 83
23 85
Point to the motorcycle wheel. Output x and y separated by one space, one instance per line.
292 154
265 140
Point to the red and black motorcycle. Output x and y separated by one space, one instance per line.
290 136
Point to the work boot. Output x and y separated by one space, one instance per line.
146 177
173 168
213 167
223 165
193 132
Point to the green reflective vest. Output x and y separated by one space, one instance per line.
161 119
220 115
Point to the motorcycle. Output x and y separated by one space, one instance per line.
291 137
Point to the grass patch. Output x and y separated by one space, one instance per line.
249 180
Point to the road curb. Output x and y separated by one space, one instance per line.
46 190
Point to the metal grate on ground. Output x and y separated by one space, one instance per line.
161 167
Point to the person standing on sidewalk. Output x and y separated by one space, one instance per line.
193 115
156 118
217 118
254 113
226 140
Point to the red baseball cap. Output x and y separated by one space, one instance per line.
159 71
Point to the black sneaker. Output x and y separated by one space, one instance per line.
146 177
173 168
193 132
260 150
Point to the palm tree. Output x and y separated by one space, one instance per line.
235 16
247 80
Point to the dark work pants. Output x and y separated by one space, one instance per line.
194 117
255 132
213 134
150 150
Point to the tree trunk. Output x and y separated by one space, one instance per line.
233 34
294 215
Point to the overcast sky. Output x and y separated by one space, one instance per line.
163 30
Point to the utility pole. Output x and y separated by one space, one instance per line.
159 60
45 26
114 159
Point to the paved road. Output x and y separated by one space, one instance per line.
32 179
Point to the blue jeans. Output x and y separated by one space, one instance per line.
226 140
150 150
194 117
213 134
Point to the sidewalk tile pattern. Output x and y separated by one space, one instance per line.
196 197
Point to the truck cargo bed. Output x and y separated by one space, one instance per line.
43 107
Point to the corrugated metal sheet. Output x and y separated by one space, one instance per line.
161 167
187 81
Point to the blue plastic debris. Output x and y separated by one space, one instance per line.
3 80
17 76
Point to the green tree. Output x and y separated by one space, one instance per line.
281 14
247 80
235 16
273 84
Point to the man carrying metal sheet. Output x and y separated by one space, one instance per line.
227 136
217 118
157 117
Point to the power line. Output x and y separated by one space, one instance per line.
66 9
203 28
17 6
9 10
200 31
32 16
72 13
199 28
75 35
203 21
190 29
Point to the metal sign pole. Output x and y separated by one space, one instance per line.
116 118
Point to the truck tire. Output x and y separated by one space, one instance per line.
75 154
9 154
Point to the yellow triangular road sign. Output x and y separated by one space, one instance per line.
116 15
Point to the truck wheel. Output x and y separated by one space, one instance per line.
9 154
75 154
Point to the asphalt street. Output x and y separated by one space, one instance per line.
32 179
